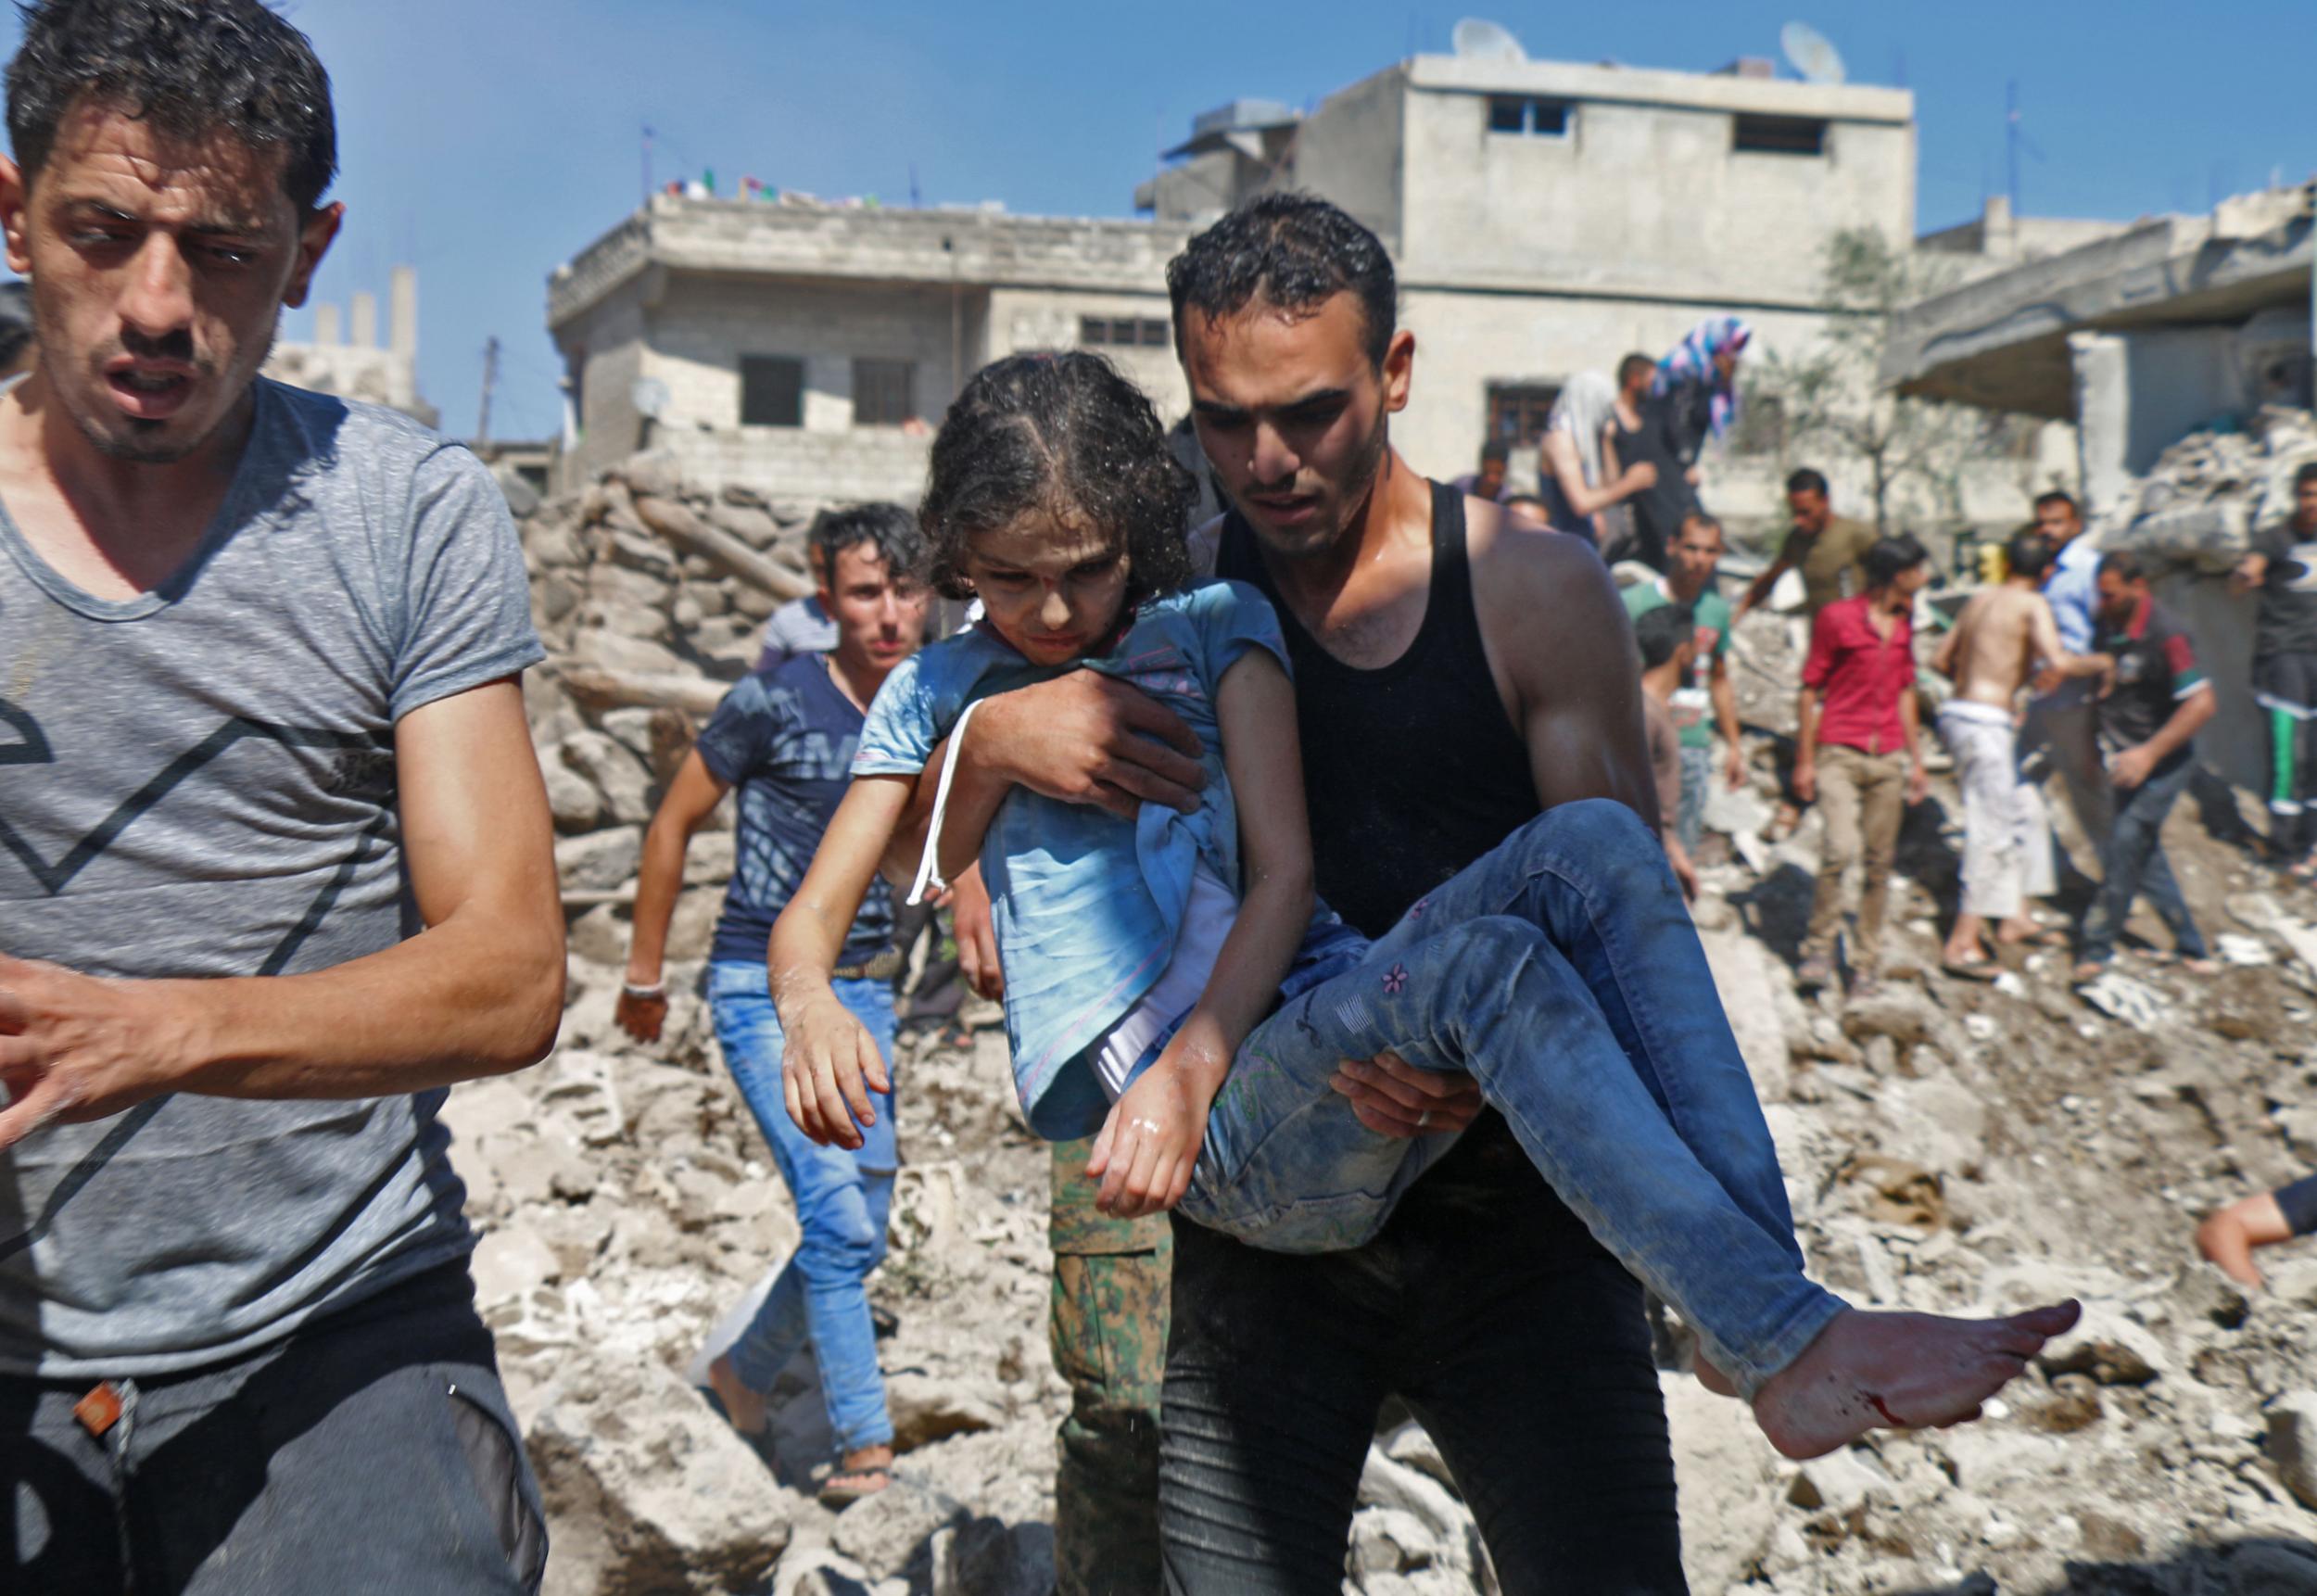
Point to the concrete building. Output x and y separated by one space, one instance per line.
362 367
1549 218
1546 218
2138 337
809 349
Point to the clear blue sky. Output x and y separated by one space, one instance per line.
487 140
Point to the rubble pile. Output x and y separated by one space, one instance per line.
1950 1145
2198 506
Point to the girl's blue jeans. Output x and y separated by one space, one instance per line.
842 1202
1563 972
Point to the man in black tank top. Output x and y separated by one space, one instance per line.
1452 678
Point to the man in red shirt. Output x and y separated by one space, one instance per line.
1860 750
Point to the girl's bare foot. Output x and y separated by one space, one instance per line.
1907 1371
743 1407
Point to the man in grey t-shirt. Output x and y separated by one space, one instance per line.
274 866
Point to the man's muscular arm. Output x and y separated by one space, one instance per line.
1082 738
1576 684
480 992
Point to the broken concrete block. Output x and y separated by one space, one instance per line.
599 861
615 773
1901 1013
571 799
925 1410
2293 1443
883 1533
2109 1346
647 1489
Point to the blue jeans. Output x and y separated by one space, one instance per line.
2133 862
1563 972
842 1202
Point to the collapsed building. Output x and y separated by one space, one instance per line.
2180 350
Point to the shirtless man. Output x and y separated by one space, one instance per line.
1996 645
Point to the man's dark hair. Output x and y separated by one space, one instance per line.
1496 450
2124 564
1632 367
891 531
2028 553
189 67
1701 518
1809 480
2305 475
1890 556
1662 631
16 321
1292 250
1065 434
2056 497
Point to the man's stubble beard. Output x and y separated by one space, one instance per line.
128 449
1359 488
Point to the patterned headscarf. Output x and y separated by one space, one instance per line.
1692 361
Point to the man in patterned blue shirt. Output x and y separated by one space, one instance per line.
785 737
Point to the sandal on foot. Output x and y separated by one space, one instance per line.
1979 968
846 1486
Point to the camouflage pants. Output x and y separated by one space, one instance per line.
1107 1326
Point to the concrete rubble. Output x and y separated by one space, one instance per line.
1951 1146
2198 506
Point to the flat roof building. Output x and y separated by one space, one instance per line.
1546 218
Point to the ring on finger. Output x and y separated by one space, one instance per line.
1423 1119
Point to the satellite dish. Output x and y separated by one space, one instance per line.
1810 54
650 396
1478 40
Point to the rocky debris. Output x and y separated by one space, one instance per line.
2206 495
651 595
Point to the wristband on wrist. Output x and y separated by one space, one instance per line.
639 989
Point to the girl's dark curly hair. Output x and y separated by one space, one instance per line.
1067 435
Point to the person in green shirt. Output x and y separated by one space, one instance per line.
1825 547
1689 581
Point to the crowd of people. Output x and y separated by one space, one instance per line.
1337 905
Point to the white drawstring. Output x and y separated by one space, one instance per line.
929 866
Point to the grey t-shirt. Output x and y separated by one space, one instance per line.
200 783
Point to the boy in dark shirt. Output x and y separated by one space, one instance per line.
2157 701
785 738
2283 565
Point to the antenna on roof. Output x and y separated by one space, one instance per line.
1809 52
1478 40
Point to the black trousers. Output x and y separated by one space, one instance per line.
371 1451
1488 1308
2285 688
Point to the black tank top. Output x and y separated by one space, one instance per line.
1412 771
